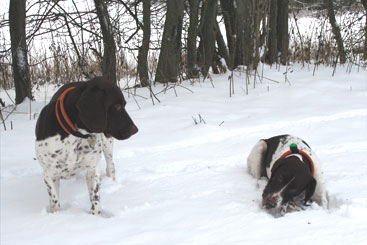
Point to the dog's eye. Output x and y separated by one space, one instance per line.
118 107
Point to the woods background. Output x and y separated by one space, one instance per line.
142 42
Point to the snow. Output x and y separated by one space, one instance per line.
21 58
181 183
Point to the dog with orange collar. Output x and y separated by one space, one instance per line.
293 171
73 130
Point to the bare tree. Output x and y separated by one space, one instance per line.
207 35
248 32
259 13
144 48
282 30
239 23
17 16
86 44
109 46
277 36
364 2
230 21
170 54
222 48
272 44
192 34
336 30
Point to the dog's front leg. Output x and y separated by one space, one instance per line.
52 185
283 209
94 183
108 155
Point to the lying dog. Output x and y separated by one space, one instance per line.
293 170
73 130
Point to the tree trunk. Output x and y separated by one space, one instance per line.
238 19
248 31
257 16
220 53
230 24
222 48
272 52
109 46
17 15
336 30
282 30
170 56
144 49
192 68
207 35
278 38
240 12
364 2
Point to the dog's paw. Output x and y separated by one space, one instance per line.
283 209
95 212
95 209
53 208
295 206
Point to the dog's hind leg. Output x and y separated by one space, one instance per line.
52 185
255 158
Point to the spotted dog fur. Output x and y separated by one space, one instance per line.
107 144
63 159
97 109
289 178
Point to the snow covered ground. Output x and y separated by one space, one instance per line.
181 183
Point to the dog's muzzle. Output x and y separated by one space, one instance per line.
271 200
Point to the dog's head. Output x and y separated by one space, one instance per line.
290 178
101 108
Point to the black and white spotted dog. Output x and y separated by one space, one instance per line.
293 171
73 130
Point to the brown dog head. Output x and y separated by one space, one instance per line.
101 108
290 178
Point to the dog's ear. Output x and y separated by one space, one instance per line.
92 111
310 189
277 164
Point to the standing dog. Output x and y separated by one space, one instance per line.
293 170
73 130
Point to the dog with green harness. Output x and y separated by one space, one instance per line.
293 171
